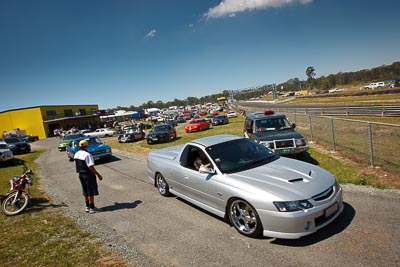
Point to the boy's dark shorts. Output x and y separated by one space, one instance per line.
89 184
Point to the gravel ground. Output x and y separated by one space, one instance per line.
368 233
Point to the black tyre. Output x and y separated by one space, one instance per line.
162 185
10 209
244 218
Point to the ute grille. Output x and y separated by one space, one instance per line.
284 143
323 195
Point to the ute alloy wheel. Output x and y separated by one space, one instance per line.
244 218
162 185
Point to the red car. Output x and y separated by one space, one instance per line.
197 125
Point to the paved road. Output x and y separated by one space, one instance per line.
152 230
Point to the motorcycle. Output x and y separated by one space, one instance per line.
17 198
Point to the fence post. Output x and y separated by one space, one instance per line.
333 135
371 146
310 125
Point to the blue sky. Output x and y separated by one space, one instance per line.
127 52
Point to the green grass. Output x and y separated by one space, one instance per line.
345 173
42 235
381 99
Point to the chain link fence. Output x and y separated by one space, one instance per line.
370 143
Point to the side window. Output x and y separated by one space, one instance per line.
249 125
189 156
185 157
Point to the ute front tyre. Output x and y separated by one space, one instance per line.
10 209
244 218
162 185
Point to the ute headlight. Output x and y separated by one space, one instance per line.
289 206
300 142
337 186
268 145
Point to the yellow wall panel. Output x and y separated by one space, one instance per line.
32 119
5 122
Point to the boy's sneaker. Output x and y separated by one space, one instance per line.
94 210
87 209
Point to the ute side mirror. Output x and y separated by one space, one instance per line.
207 170
294 125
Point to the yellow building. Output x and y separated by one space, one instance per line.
43 120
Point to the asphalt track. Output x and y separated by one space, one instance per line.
151 230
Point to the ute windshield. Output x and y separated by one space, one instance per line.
239 155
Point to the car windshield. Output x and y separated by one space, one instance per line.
220 117
272 124
71 136
195 121
95 141
12 140
3 146
239 155
132 130
160 128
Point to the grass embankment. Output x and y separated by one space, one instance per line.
41 235
344 170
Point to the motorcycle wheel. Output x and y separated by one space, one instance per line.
10 209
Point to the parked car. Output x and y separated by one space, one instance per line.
67 139
16 145
29 138
274 131
209 118
145 125
257 191
161 133
101 132
86 131
375 85
197 125
220 120
5 152
231 114
174 123
97 148
131 135
181 119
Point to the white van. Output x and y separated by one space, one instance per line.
375 85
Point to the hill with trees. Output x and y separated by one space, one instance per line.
341 79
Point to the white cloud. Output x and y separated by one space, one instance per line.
151 33
230 7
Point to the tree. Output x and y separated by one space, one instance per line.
310 72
